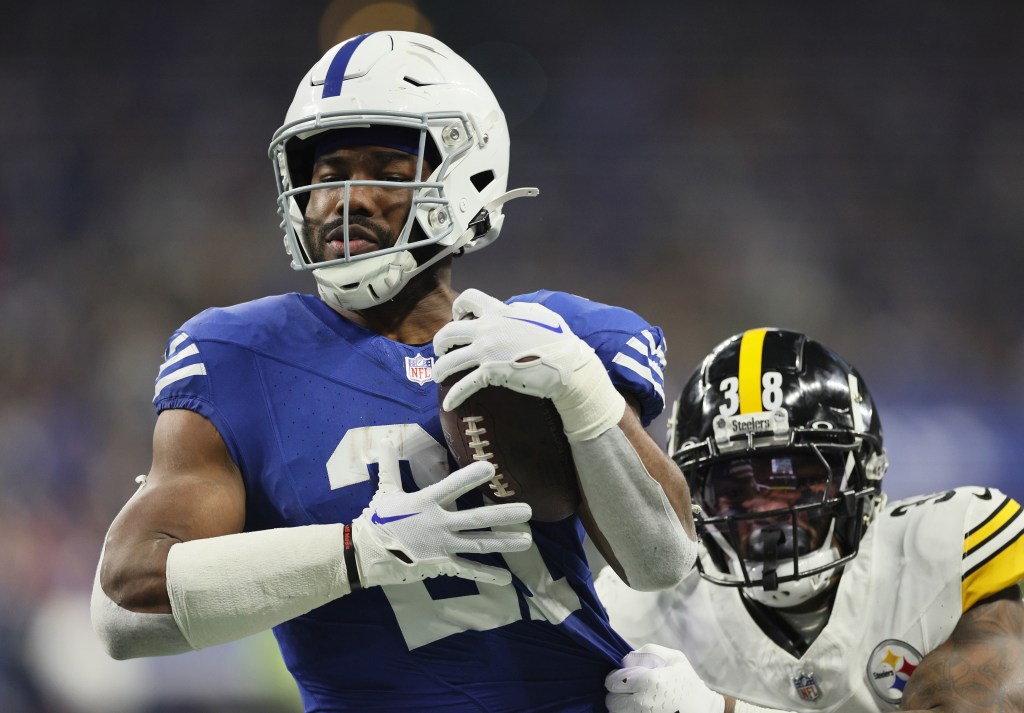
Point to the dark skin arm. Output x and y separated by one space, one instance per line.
980 668
662 468
193 491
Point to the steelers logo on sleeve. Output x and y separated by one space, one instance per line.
890 667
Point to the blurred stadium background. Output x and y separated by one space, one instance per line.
852 171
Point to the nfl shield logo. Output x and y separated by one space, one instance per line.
419 369
806 686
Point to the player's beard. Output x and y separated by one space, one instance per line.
317 233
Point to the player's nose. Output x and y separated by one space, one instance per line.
360 200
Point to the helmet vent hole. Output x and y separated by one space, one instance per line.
415 82
482 180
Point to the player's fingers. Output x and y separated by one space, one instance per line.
474 302
619 703
622 680
465 387
459 482
490 516
627 679
468 569
490 542
646 656
454 335
452 363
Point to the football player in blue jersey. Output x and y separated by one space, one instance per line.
300 479
811 593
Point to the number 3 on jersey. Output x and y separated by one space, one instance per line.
421 618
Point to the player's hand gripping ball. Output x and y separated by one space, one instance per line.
521 435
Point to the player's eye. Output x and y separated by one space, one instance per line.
327 177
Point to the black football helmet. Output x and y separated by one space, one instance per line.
781 447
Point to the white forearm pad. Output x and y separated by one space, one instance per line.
126 634
591 405
744 707
226 588
633 512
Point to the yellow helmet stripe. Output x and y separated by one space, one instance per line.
751 347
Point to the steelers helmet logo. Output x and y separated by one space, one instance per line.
890 666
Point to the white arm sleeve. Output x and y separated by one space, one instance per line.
126 634
633 512
226 588
229 587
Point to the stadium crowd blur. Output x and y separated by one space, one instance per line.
851 173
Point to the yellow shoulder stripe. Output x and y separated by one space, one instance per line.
993 556
1009 509
995 575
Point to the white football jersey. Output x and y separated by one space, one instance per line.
922 562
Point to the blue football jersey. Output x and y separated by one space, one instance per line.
299 395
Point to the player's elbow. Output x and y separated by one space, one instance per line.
116 645
654 579
666 565
126 634
116 639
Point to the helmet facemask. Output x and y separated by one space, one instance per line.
779 522
359 281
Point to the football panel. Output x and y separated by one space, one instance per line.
522 437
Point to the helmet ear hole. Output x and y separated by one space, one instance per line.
482 180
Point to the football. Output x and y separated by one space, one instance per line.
522 437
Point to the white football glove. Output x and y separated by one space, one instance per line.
406 537
656 679
528 348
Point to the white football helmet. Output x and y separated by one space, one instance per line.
411 81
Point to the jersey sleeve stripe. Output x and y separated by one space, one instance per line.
639 346
650 353
657 351
175 343
1007 511
186 352
177 375
643 372
998 531
993 574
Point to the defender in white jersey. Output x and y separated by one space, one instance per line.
300 479
810 593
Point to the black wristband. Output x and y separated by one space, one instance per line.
351 568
